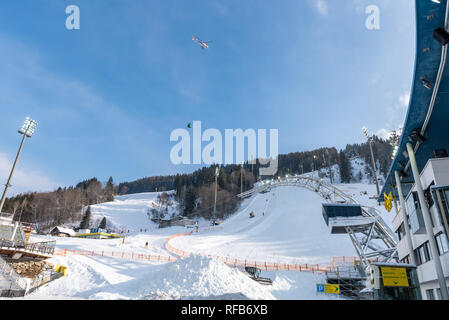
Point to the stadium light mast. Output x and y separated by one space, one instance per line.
370 139
313 166
27 130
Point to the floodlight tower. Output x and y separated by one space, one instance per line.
27 130
370 140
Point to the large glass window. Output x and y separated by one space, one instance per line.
414 212
441 196
442 243
428 195
423 253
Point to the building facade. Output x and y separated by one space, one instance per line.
435 181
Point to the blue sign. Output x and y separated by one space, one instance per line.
320 288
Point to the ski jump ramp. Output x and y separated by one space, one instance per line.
370 235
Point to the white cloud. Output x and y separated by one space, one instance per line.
383 133
24 180
322 7
404 100
396 116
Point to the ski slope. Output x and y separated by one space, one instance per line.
288 227
129 212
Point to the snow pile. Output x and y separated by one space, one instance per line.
195 277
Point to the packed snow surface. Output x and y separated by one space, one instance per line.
288 227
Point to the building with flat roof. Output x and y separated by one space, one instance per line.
419 173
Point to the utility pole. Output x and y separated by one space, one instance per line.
215 201
27 130
370 139
241 178
331 174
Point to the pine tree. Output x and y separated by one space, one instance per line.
345 168
109 190
85 222
103 223
190 200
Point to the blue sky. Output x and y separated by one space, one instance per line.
108 95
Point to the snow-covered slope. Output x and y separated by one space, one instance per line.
361 173
288 227
130 212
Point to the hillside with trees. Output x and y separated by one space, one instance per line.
64 205
195 192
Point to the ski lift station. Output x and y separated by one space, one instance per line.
419 174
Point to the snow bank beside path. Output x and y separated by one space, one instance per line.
193 277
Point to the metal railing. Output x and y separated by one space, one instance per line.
45 248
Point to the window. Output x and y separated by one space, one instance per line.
400 231
439 294
415 214
406 259
442 243
423 253
441 195
428 195
430 295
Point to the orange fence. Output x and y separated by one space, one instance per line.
269 266
114 254
338 261
172 249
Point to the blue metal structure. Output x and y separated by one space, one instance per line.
432 122
346 210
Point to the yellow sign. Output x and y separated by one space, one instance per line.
388 199
394 277
61 269
328 288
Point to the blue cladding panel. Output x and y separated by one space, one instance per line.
426 65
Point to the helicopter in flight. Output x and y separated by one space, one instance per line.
204 44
